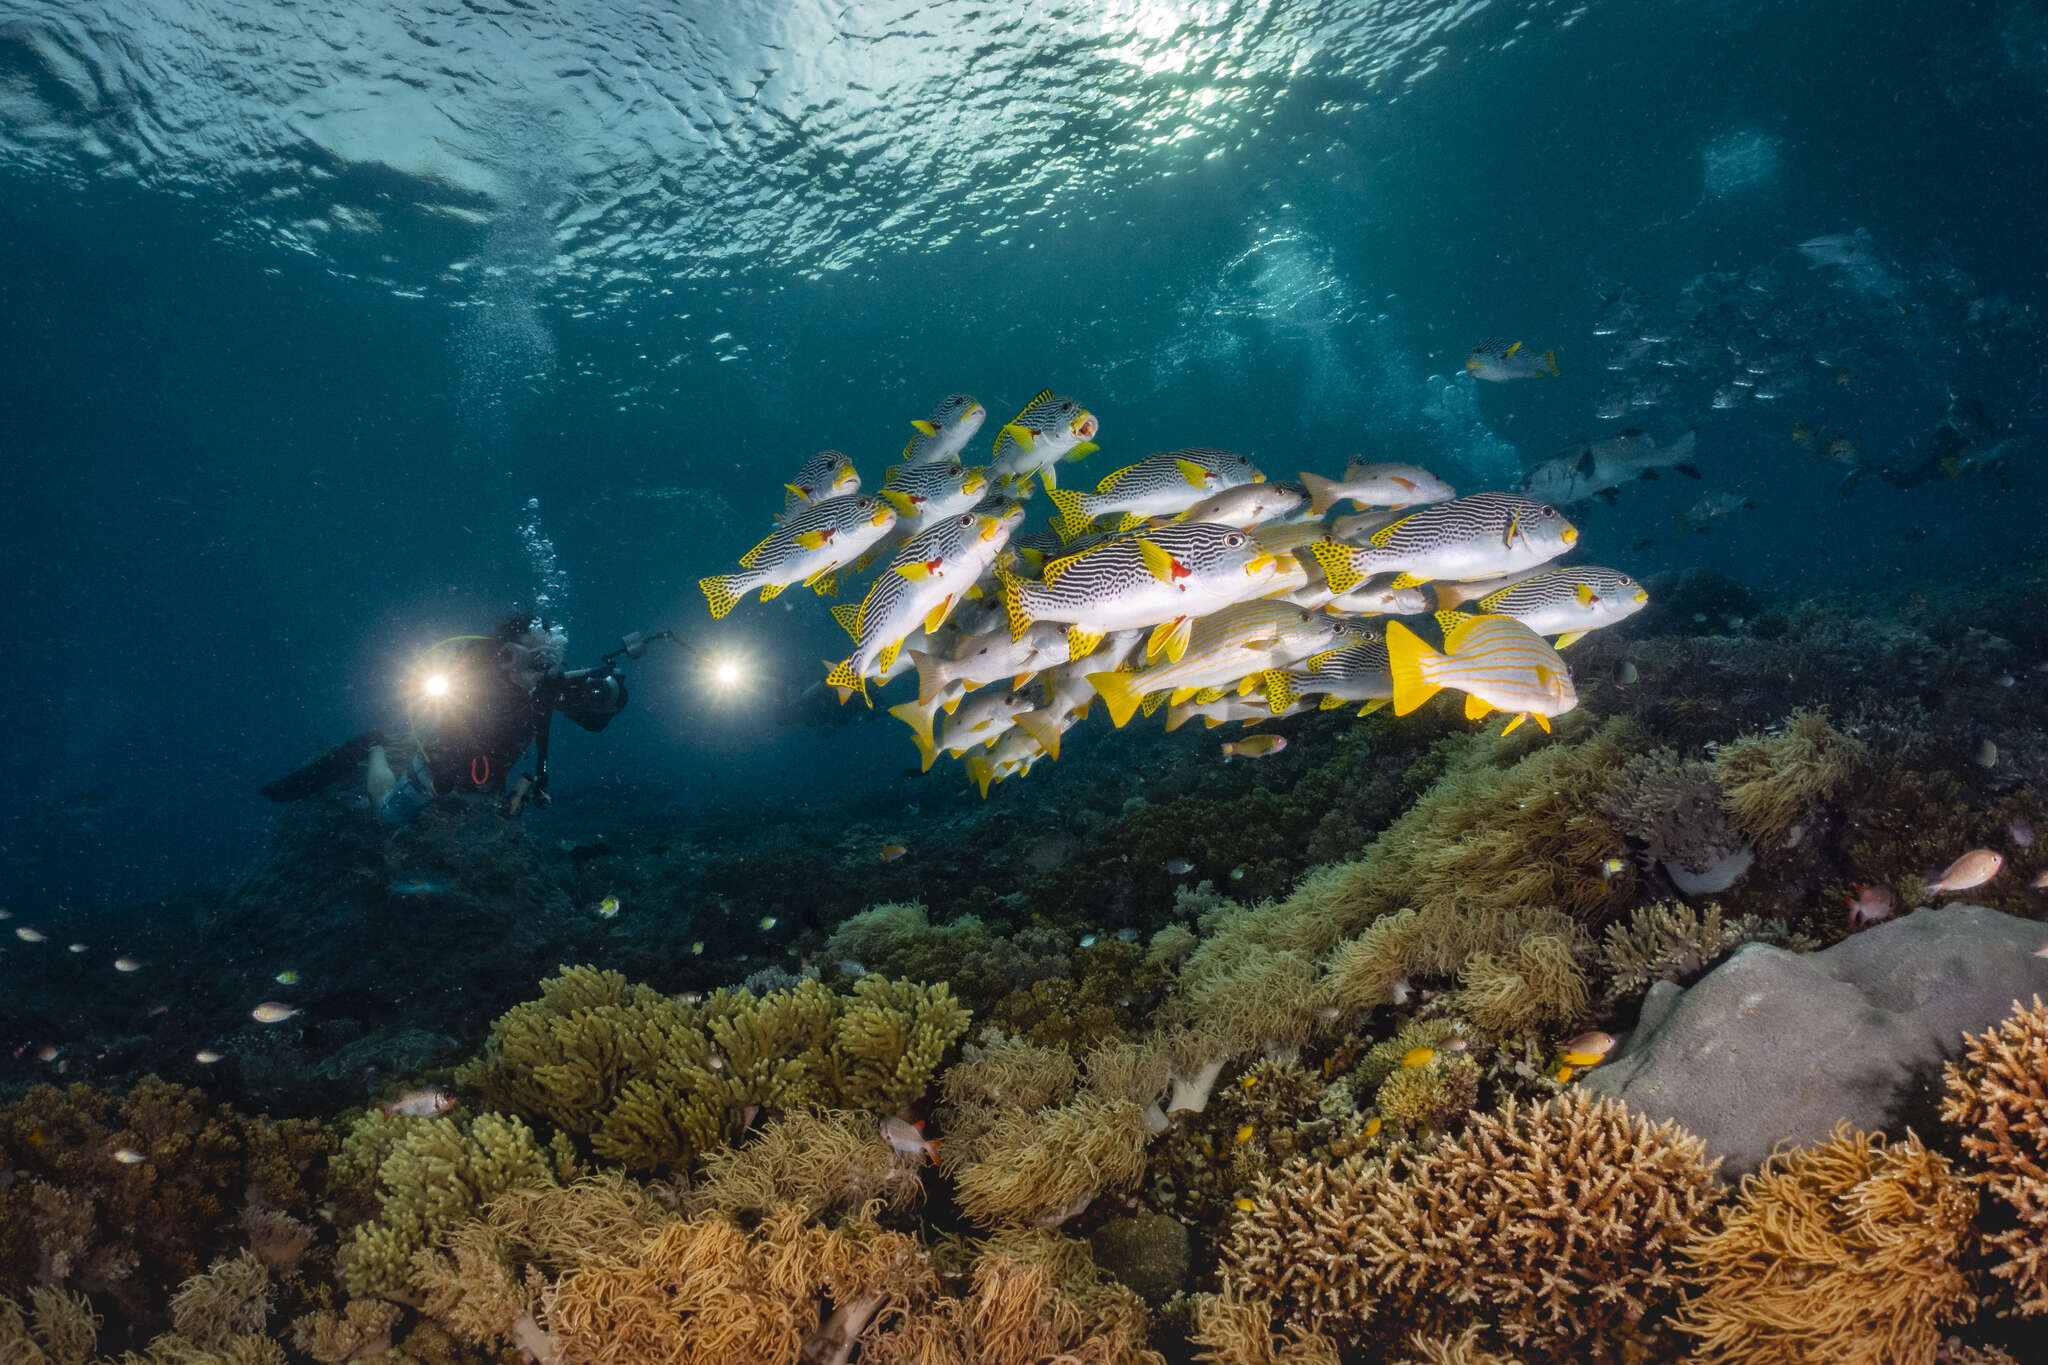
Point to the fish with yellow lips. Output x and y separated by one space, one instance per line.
1477 536
1565 602
944 434
1050 429
1160 485
1163 578
1229 649
827 474
810 547
920 587
1496 661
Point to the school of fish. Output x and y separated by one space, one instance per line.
1185 582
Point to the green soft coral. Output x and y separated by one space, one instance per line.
432 1176
657 1084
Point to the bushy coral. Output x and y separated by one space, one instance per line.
361 1330
1401 949
72 1217
972 959
1998 1098
1849 1251
1536 984
433 1175
657 1083
1046 1165
1776 781
1671 809
1673 941
819 1161
1234 1328
56 1329
1558 1225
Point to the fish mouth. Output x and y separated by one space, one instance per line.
1474 366
1571 533
1261 562
1085 426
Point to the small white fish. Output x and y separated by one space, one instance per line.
1974 868
767 922
28 935
1087 940
77 948
47 1052
128 1156
418 1104
1179 867
206 1056
272 1012
852 968
287 977
909 1139
127 964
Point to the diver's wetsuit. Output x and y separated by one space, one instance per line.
506 702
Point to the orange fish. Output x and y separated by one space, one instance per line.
1974 868
1870 904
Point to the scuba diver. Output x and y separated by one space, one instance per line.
482 699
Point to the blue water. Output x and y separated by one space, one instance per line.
308 305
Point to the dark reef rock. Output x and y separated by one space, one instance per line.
1774 1046
1147 1251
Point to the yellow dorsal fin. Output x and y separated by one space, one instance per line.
1113 478
1314 662
747 559
1380 537
1407 580
1511 350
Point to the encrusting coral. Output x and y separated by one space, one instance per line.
1558 1225
656 1083
1847 1251
1777 781
1998 1098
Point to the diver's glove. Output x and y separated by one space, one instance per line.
530 790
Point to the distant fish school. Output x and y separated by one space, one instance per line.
1183 582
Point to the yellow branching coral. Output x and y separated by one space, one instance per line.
1848 1251
436 1174
657 1083
1046 1165
819 1161
1776 781
1998 1099
1559 1224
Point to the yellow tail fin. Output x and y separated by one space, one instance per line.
1121 692
721 593
1406 655
1071 521
1042 726
919 718
1550 359
1013 603
849 682
978 768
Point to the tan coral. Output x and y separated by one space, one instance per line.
359 1331
1776 781
1673 941
819 1161
1998 1099
57 1329
1849 1251
1045 1165
1462 1349
1537 984
1236 1328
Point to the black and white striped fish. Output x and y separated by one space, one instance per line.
1159 485
944 434
1565 602
935 490
827 474
923 582
1050 429
1478 536
810 547
1235 645
1357 673
1164 577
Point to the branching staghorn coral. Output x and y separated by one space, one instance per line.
1776 781
1558 1224
1998 1100
1672 941
1044 1166
436 1174
1848 1251
656 1083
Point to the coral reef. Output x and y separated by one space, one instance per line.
657 1083
818 1161
1777 781
1673 941
1585 1255
1046 1165
976 963
1998 1097
1851 1250
1673 812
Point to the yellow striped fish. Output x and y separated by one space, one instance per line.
1496 661
1234 646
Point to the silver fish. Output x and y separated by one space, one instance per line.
1598 468
944 434
1470 537
1050 429
1565 602
1376 485
810 546
1159 485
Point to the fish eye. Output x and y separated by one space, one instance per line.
1550 511
966 520
1233 541
1627 581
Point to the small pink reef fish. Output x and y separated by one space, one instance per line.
1869 905
1974 868
418 1104
2022 831
909 1139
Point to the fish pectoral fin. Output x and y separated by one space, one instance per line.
811 540
1477 708
1158 562
936 617
927 427
1021 434
1169 638
1567 639
1196 476
1585 594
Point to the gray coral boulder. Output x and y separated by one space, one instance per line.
1774 1046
